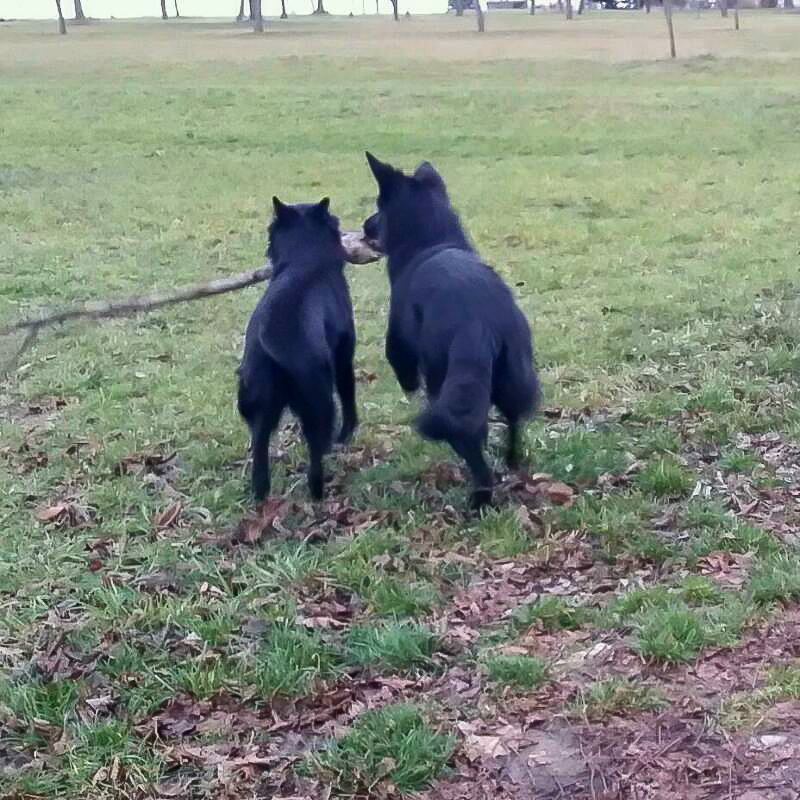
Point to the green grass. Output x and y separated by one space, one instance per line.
502 533
675 632
664 478
517 672
393 646
291 660
749 710
658 269
671 635
776 579
581 456
615 697
394 744
551 613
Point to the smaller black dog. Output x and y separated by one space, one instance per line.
452 319
300 341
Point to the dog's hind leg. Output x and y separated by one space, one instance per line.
266 419
312 401
515 393
346 387
512 453
471 451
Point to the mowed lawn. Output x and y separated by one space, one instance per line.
624 623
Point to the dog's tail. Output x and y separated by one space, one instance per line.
461 409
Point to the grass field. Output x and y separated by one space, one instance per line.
631 634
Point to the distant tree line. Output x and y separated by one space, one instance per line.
256 18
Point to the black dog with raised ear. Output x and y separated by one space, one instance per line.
452 321
300 341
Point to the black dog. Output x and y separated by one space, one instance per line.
300 341
452 318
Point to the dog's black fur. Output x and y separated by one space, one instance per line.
300 341
452 319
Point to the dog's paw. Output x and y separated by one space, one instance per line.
481 498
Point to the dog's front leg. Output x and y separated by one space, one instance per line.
403 360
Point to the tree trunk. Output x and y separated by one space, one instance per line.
569 9
647 6
164 14
255 15
79 15
284 15
668 15
394 9
241 16
481 18
62 25
723 7
532 9
177 13
736 17
459 8
320 9
581 6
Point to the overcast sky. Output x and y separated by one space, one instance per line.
45 9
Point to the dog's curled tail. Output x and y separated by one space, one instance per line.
461 409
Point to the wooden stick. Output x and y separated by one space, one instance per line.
357 251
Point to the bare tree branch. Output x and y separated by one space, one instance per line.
357 251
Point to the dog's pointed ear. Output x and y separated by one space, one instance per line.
323 206
385 174
282 211
426 175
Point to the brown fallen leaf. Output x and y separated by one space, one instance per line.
169 517
322 622
479 747
53 512
254 526
65 513
559 493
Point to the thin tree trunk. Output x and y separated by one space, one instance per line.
284 15
736 17
79 15
533 7
255 14
177 13
394 9
723 7
569 9
62 25
241 16
320 9
481 17
581 6
668 15
164 14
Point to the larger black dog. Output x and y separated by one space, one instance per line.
300 341
451 318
